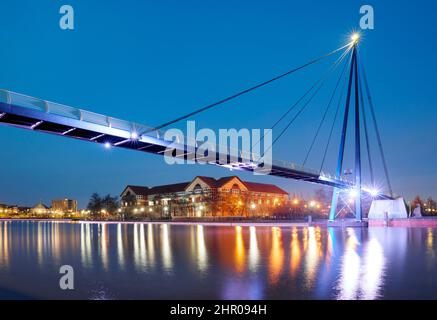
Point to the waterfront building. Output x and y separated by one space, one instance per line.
64 206
9 209
40 209
204 197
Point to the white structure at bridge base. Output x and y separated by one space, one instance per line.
388 209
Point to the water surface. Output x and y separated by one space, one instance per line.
160 261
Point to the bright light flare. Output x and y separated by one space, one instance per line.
107 145
374 192
353 193
134 136
355 37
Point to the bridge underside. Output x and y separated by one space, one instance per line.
80 124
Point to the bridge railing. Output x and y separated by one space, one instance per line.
26 101
54 108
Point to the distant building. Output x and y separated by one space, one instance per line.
64 206
203 197
9 209
40 209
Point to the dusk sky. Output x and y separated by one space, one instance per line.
151 61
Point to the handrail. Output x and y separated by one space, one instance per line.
54 108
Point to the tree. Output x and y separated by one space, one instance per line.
110 204
322 196
431 206
97 205
417 201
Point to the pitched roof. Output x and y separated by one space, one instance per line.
169 188
138 190
251 186
40 206
217 183
263 187
208 180
224 180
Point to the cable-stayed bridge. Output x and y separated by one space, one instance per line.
35 114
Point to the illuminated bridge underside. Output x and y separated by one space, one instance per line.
43 116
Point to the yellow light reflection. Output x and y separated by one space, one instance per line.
4 237
120 249
104 245
139 246
295 253
39 242
54 241
150 245
165 247
85 243
240 254
430 239
202 256
143 256
430 252
313 254
253 250
276 256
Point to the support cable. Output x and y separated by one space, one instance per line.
375 124
322 78
304 106
369 156
324 115
335 120
247 90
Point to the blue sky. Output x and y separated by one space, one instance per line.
150 61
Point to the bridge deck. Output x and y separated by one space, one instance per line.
39 115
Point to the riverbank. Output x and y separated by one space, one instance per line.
425 222
194 222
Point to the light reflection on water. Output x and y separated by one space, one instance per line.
160 261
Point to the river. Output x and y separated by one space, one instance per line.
162 261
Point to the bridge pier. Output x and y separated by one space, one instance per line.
356 191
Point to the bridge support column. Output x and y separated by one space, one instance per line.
336 193
334 203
